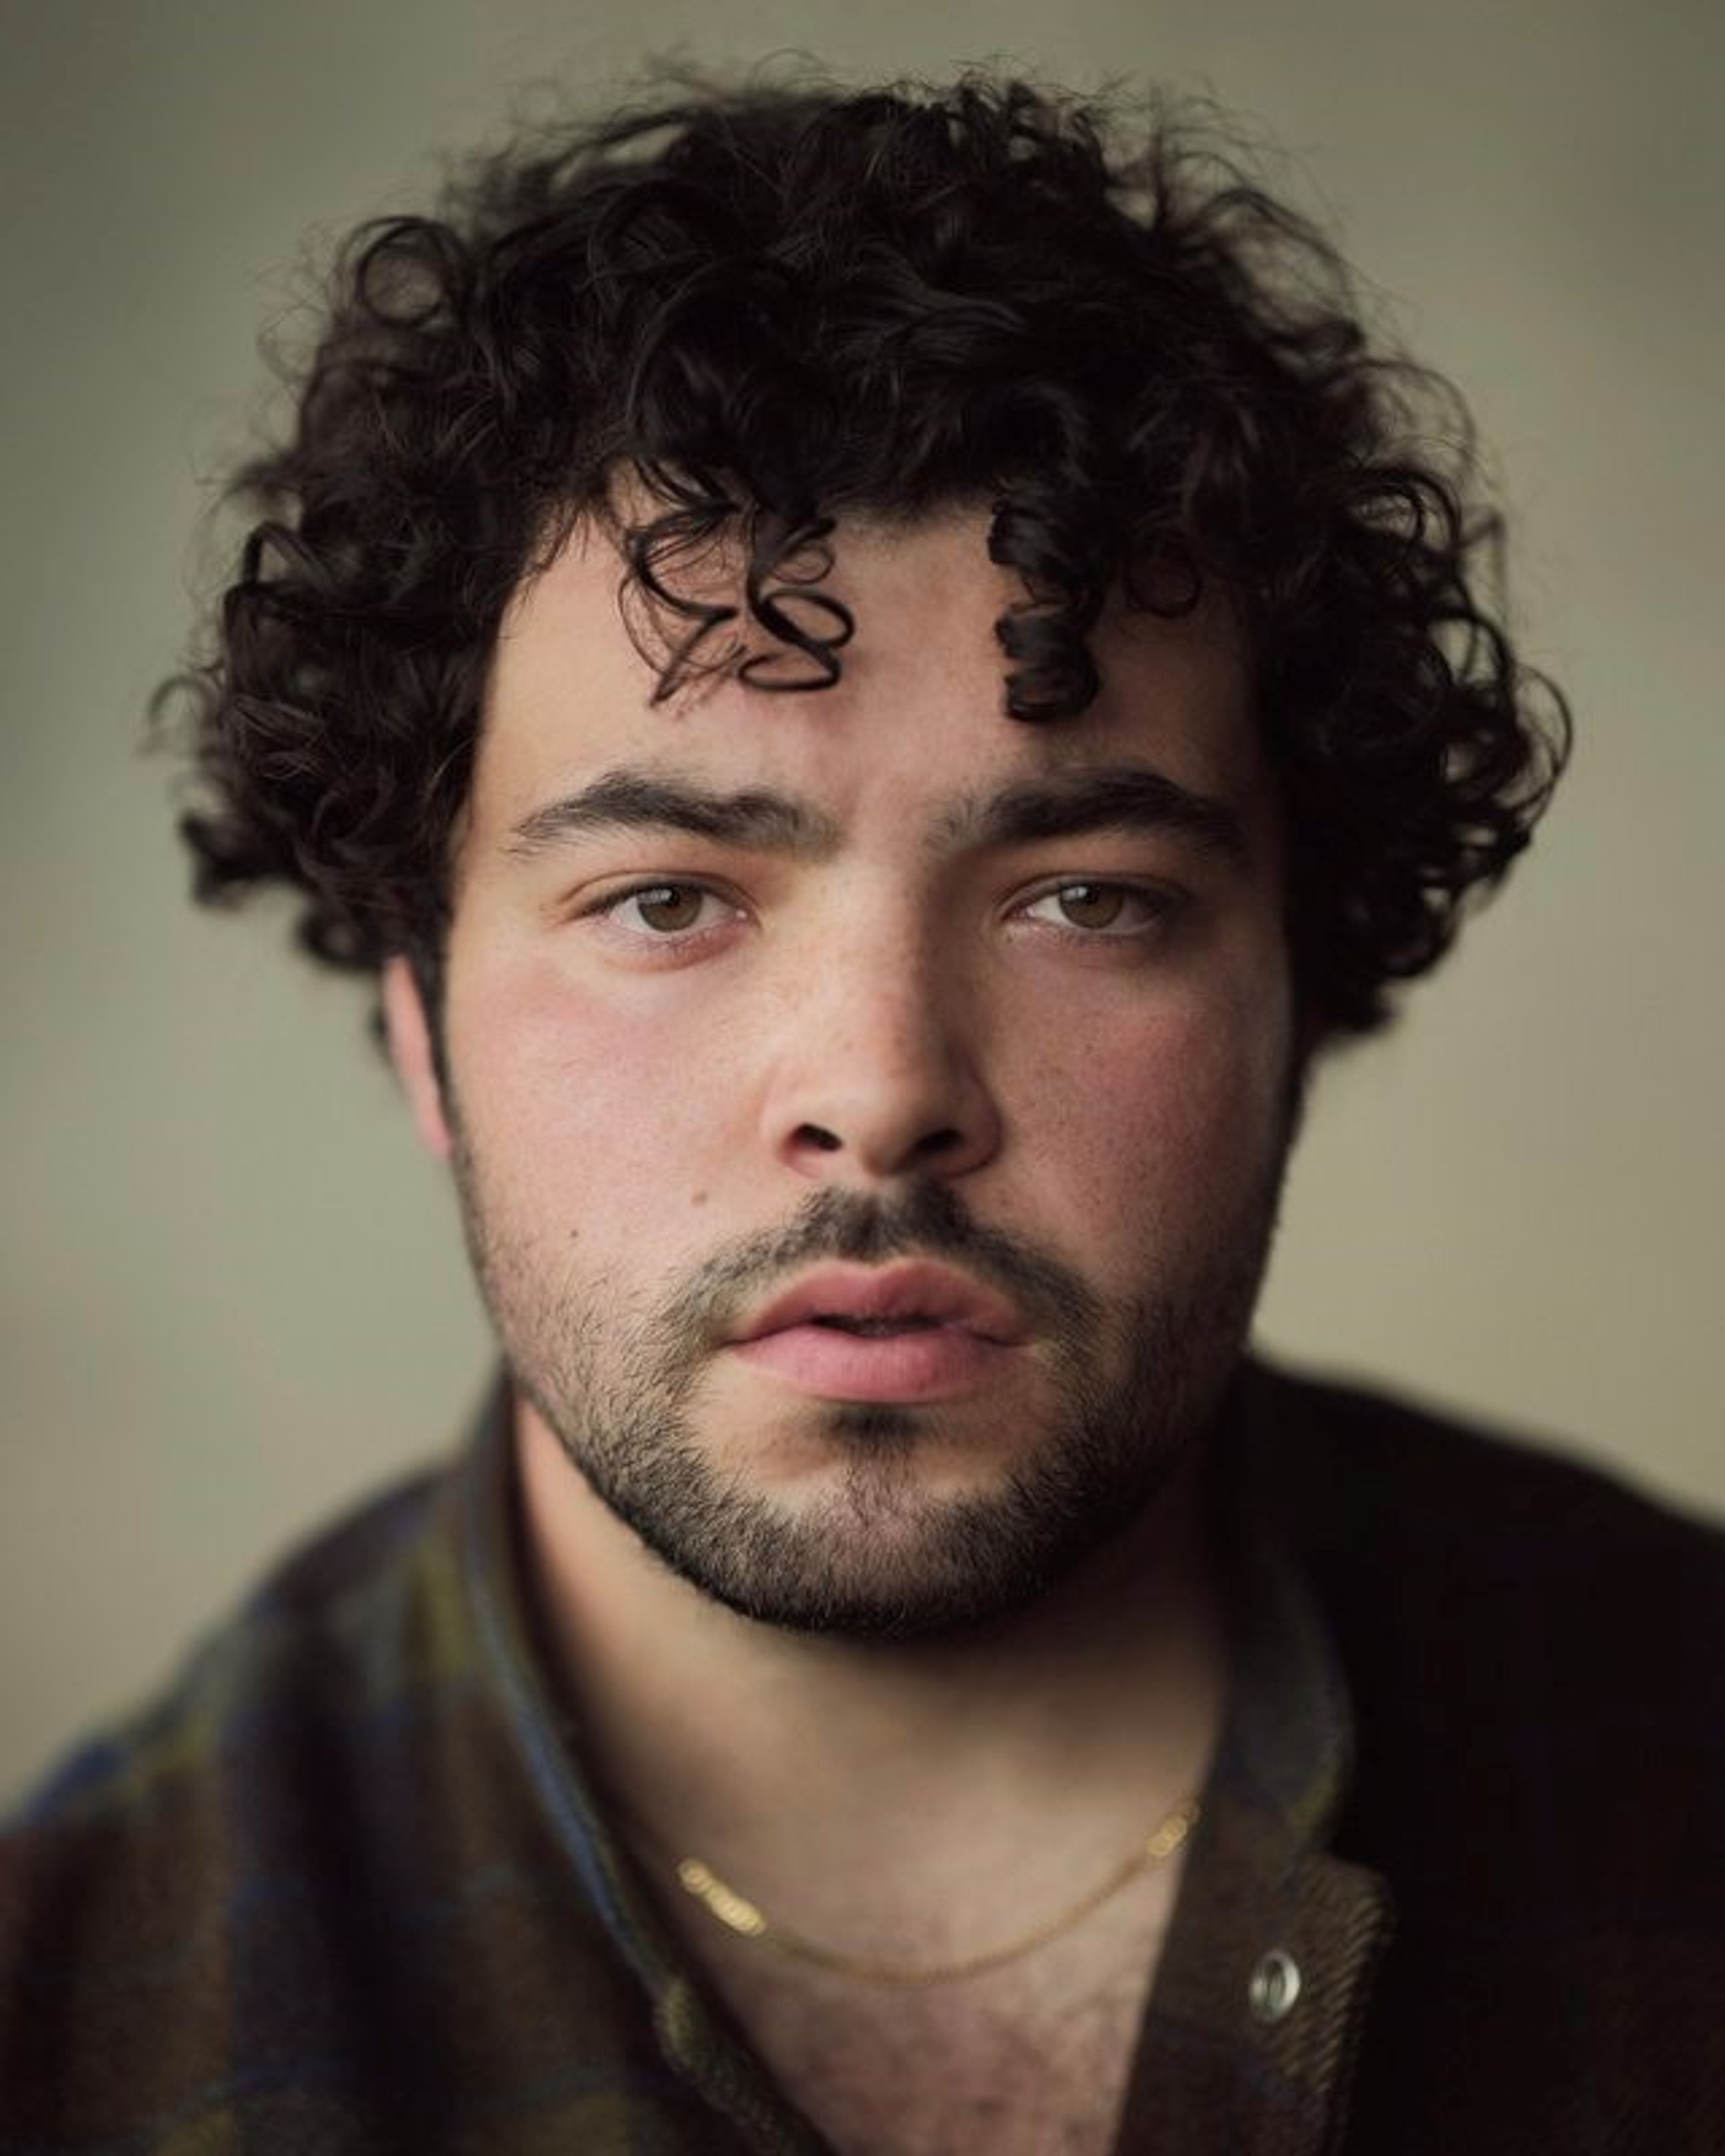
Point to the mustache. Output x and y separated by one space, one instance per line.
927 1219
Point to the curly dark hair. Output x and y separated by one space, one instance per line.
768 306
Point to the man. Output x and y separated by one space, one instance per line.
877 677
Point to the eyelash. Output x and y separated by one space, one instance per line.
1162 904
611 904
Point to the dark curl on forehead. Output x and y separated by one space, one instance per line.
771 307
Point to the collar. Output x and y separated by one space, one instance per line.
1266 1972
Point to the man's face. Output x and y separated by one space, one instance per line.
868 1111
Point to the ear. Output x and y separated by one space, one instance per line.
408 1031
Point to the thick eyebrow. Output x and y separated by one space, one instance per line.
1124 797
650 800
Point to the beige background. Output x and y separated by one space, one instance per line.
231 1293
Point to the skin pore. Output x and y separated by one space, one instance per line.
868 1114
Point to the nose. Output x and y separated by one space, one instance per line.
879 1074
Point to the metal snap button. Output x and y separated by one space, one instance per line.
1275 1987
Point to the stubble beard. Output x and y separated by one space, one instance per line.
876 1553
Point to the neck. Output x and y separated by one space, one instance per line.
779 1755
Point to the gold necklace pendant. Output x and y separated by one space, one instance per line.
738 1914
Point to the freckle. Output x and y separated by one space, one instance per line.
698 1199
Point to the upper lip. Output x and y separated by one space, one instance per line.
915 1289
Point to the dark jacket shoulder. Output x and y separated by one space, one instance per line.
139 1881
1533 1655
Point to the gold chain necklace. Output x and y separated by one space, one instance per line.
741 1916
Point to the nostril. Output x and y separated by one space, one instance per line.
811 1133
939 1141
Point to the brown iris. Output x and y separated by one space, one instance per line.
1091 905
669 906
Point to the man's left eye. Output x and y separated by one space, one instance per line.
1099 909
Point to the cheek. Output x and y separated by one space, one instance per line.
590 1093
1168 1121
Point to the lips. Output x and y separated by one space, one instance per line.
869 1301
908 1334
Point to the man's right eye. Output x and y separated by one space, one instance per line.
665 909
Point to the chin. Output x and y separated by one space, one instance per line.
885 1544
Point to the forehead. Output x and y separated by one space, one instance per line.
916 717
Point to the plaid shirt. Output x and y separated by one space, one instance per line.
346 1888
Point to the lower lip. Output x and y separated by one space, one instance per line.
934 1363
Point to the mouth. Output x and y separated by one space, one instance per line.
875 1302
910 1333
